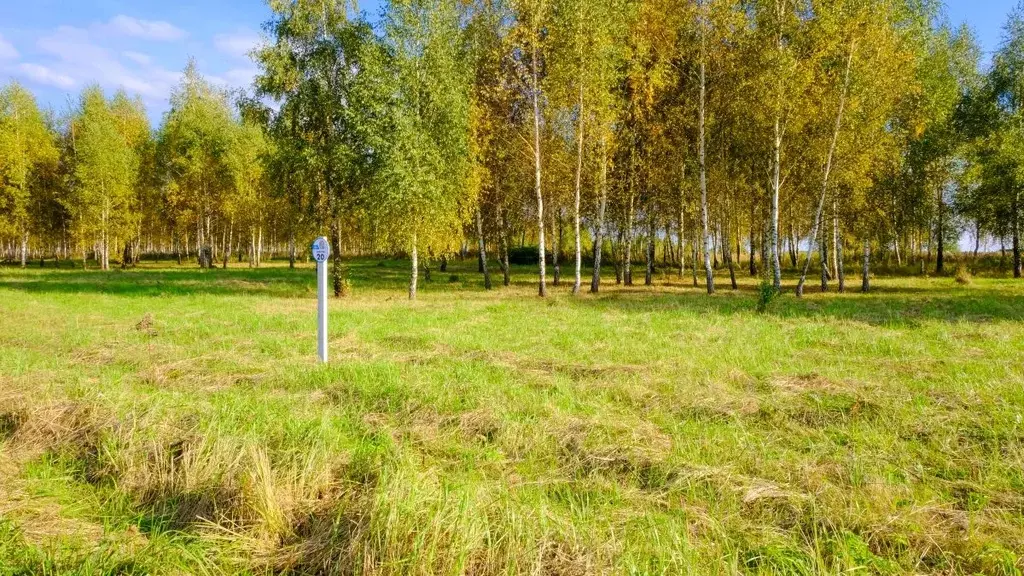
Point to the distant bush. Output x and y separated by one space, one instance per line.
454 278
527 255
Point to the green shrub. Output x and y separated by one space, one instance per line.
766 294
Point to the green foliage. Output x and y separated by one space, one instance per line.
767 293
194 143
421 191
27 152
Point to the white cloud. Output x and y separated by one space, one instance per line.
237 44
148 29
101 53
79 55
137 57
7 51
44 75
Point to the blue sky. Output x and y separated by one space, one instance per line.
56 47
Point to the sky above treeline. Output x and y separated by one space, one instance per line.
57 47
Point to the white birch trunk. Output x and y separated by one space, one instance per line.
414 276
542 288
595 279
708 273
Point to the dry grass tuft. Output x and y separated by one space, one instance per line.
635 452
963 275
146 325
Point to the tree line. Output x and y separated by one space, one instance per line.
701 133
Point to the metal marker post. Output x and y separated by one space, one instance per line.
321 252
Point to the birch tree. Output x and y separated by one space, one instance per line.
104 175
27 150
193 144
423 196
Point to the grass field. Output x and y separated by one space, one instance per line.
174 421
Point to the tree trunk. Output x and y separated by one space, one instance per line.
739 244
1015 223
714 250
505 267
617 260
773 233
840 271
105 246
482 248
556 249
228 244
701 157
865 282
415 269
627 257
977 239
836 252
792 241
199 241
542 287
595 278
682 259
291 249
668 248
337 272
24 248
649 271
576 201
752 265
823 254
727 254
695 257
940 254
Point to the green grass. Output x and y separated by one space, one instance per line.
174 421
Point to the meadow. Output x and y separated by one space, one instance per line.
169 420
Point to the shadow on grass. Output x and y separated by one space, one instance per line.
890 306
890 303
171 280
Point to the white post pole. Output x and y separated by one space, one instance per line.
321 316
321 249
